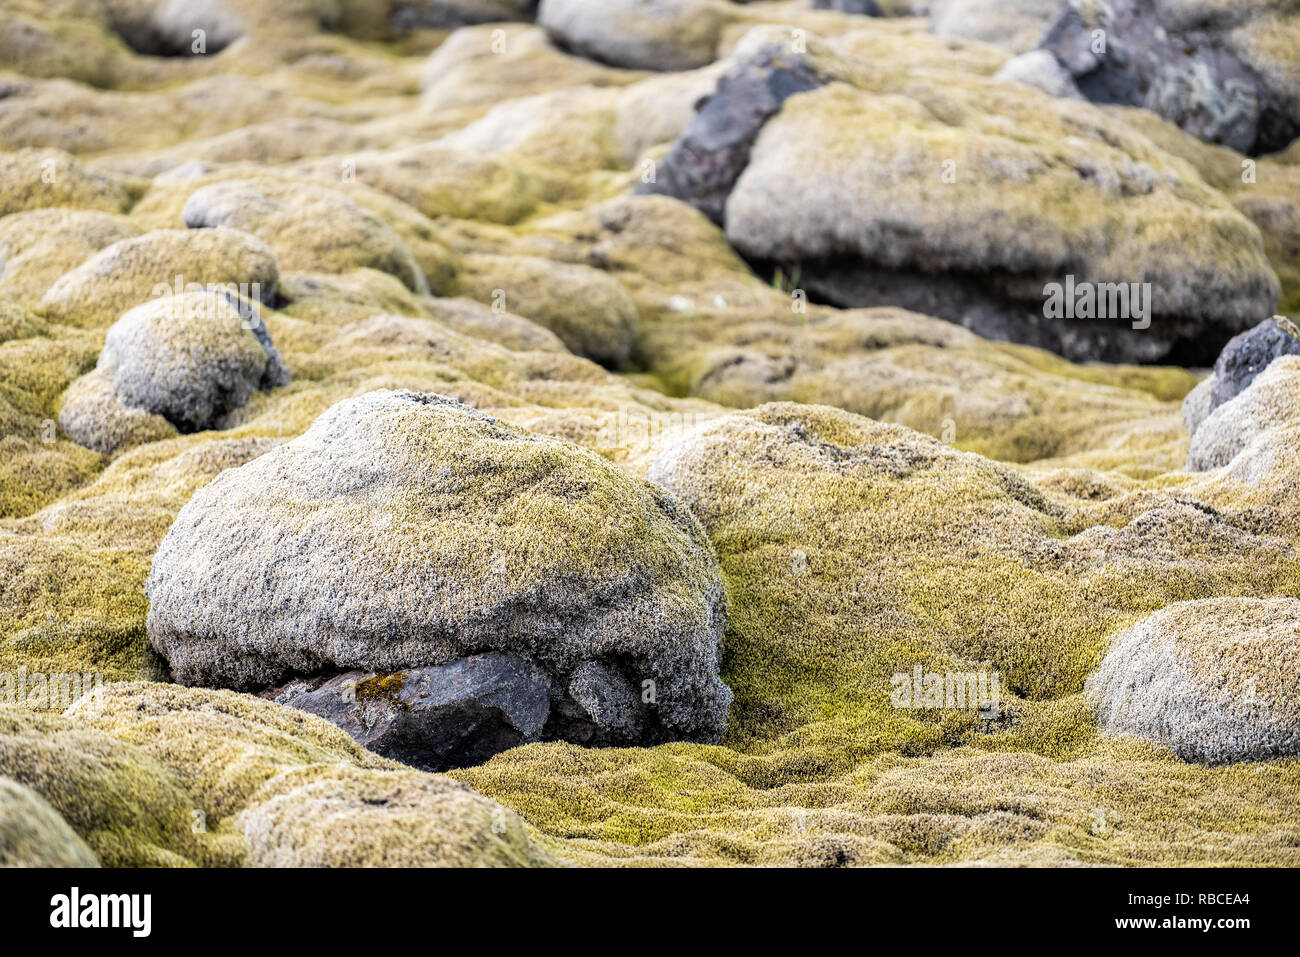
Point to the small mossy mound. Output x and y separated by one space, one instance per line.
344 817
588 310
307 225
182 361
32 834
1213 680
36 179
150 775
159 263
39 246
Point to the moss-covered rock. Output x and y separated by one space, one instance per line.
159 263
308 226
32 834
39 246
150 775
1213 680
478 537
659 35
587 309
1269 404
187 360
35 179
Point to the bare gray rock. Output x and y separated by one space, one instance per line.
1249 353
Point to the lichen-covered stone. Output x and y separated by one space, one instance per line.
1221 71
1213 680
453 534
187 360
1249 353
1271 402
875 158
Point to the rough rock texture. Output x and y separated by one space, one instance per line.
435 718
1213 680
1270 402
189 360
32 834
1224 72
405 530
703 165
164 261
1248 354
970 506
927 202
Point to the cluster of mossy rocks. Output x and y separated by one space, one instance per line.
487 432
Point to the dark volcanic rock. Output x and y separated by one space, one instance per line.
433 718
705 162
460 714
1248 354
868 7
1197 67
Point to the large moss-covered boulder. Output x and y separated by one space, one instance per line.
1213 680
405 529
971 200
